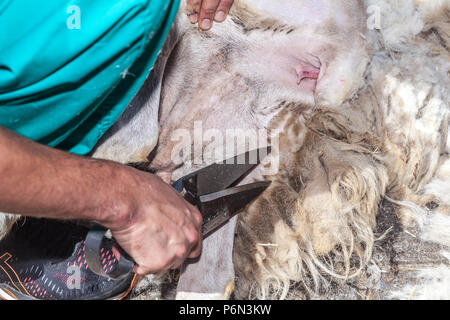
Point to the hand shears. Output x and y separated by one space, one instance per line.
213 190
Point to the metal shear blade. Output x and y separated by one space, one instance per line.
219 207
210 188
219 176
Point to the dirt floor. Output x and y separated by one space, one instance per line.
398 255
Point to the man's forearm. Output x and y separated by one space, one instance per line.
148 218
40 181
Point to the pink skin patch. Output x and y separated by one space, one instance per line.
306 72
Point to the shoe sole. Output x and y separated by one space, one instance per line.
8 293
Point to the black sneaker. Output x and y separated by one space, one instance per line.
45 259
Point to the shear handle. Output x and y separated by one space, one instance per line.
94 240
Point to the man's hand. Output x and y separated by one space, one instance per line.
206 11
160 230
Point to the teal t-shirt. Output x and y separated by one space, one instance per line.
68 68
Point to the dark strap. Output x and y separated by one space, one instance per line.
94 240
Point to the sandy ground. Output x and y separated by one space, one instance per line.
398 256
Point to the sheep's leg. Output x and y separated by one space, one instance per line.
212 277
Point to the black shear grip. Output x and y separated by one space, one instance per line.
94 240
